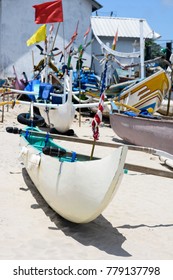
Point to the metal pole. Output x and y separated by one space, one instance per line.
142 49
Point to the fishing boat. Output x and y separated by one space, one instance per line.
141 94
111 91
163 109
76 186
61 116
56 115
85 79
142 130
148 92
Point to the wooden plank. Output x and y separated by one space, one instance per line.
98 143
148 170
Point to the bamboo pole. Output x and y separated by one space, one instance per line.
2 120
92 151
97 118
127 106
79 99
33 59
170 91
11 102
56 34
90 142
128 166
8 104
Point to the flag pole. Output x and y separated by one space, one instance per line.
46 60
98 116
92 151
33 61
56 34
48 12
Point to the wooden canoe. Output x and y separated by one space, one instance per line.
76 187
142 131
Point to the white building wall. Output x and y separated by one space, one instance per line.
17 26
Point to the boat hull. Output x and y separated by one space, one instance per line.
153 133
148 93
78 191
142 94
164 108
60 118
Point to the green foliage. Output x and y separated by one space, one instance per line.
152 50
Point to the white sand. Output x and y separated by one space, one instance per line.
137 224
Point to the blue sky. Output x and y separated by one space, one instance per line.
158 14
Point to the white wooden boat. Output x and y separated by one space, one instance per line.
59 116
76 187
155 132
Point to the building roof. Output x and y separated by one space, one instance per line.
127 27
95 5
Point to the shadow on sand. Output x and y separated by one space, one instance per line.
98 233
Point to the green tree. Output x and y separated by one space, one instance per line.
152 50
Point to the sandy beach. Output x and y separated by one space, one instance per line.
137 224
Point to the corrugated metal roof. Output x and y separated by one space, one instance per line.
127 27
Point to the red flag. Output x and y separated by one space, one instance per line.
98 117
49 12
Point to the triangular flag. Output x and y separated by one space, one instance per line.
86 33
115 40
73 36
38 36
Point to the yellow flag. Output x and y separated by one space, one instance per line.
38 36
